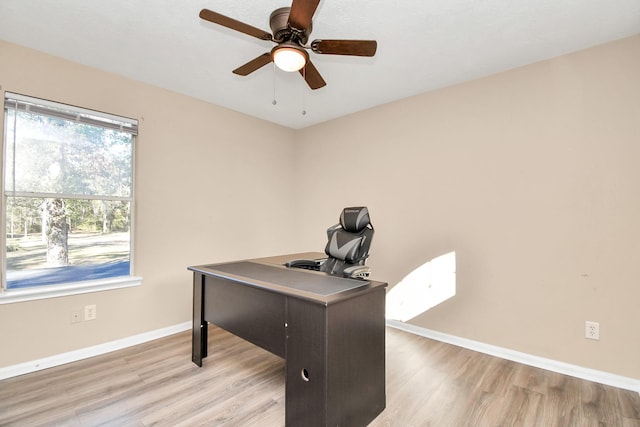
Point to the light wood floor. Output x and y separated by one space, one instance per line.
428 384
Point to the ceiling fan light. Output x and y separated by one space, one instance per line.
289 58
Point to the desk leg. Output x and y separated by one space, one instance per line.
200 326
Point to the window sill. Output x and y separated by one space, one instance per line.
62 290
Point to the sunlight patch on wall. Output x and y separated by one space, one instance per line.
425 287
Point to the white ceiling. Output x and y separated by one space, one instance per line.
422 45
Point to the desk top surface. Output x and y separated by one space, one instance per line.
271 274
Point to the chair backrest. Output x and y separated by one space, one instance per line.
349 241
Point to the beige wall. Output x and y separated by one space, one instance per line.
211 185
531 176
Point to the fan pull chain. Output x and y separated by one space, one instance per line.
274 102
304 76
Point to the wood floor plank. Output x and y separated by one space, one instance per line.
429 383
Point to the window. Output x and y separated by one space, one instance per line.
67 194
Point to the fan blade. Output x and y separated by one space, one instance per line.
253 65
312 76
301 13
345 47
225 21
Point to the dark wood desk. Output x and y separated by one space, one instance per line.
330 331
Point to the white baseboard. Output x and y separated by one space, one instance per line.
526 359
83 353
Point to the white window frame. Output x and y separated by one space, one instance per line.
84 115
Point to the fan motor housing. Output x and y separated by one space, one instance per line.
279 23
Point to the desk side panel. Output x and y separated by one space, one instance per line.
341 347
306 370
199 326
253 314
356 355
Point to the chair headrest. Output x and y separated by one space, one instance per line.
354 219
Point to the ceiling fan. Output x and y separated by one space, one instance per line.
291 27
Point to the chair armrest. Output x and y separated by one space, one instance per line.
357 272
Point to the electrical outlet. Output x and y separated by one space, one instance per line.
76 316
90 312
592 330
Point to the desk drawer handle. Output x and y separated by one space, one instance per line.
304 374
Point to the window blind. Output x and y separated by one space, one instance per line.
18 102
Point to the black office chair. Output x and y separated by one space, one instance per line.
347 247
